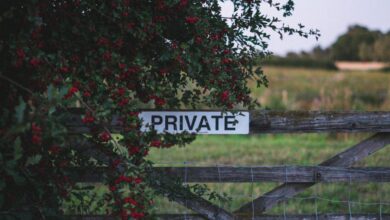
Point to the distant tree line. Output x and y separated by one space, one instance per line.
361 44
357 44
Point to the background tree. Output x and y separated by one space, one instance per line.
366 52
381 48
347 46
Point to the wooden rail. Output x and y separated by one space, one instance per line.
297 174
283 122
286 174
256 217
300 121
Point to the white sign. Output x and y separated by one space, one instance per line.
200 122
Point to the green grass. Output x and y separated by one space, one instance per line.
286 149
252 150
310 89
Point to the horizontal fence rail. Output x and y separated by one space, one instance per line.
286 174
313 121
256 217
282 122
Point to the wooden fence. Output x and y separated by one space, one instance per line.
294 179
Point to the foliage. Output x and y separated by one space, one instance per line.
347 45
298 61
113 58
382 48
361 44
324 90
317 58
357 44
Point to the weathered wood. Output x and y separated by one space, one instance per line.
86 217
299 174
295 174
281 122
312 121
344 159
319 217
178 217
204 208
258 217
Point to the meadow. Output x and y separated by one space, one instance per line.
296 89
314 89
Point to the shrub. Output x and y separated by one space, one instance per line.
113 58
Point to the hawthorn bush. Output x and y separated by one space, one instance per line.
111 59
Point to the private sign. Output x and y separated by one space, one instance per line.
200 122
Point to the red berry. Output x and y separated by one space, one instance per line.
130 201
87 94
35 62
104 136
183 3
21 54
138 180
54 149
123 102
103 41
224 96
198 40
107 56
35 128
64 69
88 119
155 143
36 139
112 188
134 150
137 215
192 19
159 101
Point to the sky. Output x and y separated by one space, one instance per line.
331 17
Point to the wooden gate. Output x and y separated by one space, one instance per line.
294 179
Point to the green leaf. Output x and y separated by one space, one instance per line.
10 164
19 110
18 151
52 109
33 160
19 180
50 92
1 200
2 185
63 91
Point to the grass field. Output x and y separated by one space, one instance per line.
296 89
311 89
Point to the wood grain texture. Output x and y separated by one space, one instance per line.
256 217
344 159
287 174
314 121
279 122
205 208
299 174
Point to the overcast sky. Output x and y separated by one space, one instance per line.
331 17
